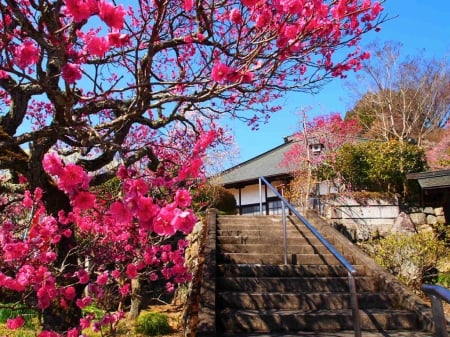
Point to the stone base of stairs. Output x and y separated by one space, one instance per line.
337 334
237 284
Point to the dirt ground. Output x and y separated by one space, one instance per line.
173 313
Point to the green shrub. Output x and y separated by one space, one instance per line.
215 196
14 311
153 324
443 280
92 309
379 166
409 257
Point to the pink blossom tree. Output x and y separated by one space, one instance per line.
438 156
91 90
314 152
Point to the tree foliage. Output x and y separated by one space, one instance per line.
379 166
406 98
90 90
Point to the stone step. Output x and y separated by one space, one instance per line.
258 248
267 232
294 284
343 333
249 219
259 270
323 320
263 227
278 259
270 240
301 301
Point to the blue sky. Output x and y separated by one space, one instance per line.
419 24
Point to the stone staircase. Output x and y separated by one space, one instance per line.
257 294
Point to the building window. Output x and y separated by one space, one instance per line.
316 149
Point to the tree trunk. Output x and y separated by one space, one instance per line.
56 317
136 299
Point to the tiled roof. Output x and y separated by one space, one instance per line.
432 180
266 164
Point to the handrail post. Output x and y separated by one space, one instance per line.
440 323
260 196
354 304
438 294
283 212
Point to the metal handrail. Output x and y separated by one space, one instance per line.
438 294
347 265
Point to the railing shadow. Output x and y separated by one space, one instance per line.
351 271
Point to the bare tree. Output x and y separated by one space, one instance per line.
405 98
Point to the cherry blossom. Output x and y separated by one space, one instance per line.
113 16
15 323
71 72
26 54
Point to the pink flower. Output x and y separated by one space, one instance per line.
26 54
117 39
97 46
47 257
163 222
73 332
102 279
69 293
135 187
170 287
27 200
188 5
120 213
83 302
191 169
72 178
83 276
81 9
71 72
146 209
115 273
235 16
182 198
113 16
15 250
220 72
44 297
125 289
84 200
246 77
15 323
85 322
184 221
249 3
376 8
52 163
3 74
131 271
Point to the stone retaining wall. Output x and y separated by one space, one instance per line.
362 221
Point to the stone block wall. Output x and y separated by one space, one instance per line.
363 220
426 215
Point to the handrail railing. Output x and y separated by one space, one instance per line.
438 294
351 271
